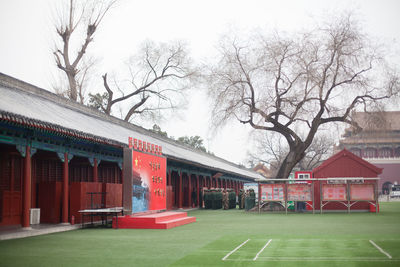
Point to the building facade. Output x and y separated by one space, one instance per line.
378 143
60 156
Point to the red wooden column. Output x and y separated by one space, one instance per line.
180 190
95 171
64 215
169 178
27 188
198 189
190 189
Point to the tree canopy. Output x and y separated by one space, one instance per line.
295 85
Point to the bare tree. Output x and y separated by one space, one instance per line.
271 149
159 75
293 85
75 18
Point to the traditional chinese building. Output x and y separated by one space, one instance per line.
263 170
60 156
378 142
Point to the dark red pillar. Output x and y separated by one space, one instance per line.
64 216
180 190
27 188
198 189
95 171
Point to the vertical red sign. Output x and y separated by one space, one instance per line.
149 182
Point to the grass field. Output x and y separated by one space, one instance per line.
224 238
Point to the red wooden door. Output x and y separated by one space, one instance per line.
11 172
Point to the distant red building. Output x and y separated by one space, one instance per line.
378 143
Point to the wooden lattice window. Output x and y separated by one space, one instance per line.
80 170
109 172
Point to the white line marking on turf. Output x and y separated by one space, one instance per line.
380 249
255 258
233 251
316 259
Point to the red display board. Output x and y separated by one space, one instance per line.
149 170
299 192
149 181
362 192
334 192
273 192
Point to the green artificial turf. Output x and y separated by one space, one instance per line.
330 239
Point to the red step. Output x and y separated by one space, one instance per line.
163 220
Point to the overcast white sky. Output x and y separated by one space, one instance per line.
27 40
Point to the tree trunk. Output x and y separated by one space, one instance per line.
73 92
292 158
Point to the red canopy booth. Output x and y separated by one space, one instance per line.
341 193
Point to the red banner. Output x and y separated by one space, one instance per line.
149 181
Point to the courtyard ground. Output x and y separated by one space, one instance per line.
224 238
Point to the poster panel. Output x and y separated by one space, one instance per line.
334 192
272 192
149 182
299 192
362 192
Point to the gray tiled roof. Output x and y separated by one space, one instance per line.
30 105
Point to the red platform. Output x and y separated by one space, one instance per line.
163 220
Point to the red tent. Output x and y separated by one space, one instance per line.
344 164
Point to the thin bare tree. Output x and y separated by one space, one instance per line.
74 20
294 85
159 75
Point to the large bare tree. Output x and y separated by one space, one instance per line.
77 19
159 75
271 149
293 85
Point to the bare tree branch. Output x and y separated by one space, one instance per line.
292 85
78 14
159 75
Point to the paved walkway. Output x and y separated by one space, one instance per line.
13 232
